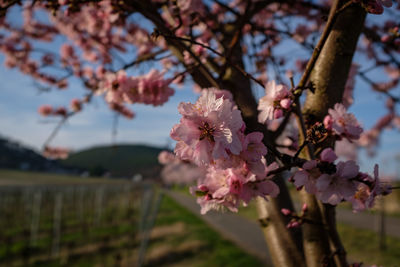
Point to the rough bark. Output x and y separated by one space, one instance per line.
283 244
329 77
332 67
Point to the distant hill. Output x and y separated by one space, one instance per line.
14 155
118 160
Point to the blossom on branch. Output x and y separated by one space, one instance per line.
342 123
211 128
333 188
277 99
150 89
227 188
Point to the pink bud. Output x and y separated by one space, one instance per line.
385 38
293 224
286 212
304 208
328 122
285 103
45 110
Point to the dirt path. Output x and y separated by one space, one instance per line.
248 235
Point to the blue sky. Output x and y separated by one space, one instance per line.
20 120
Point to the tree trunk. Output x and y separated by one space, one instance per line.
328 78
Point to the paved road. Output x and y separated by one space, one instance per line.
369 221
244 233
248 235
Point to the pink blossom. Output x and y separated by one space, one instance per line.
312 170
151 88
343 123
216 189
227 188
307 176
55 152
333 188
67 52
182 150
45 110
277 98
286 212
76 105
328 155
255 187
253 148
210 127
361 199
166 157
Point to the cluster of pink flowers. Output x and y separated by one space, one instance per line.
119 89
333 183
47 110
227 188
276 101
211 134
375 6
151 88
343 124
55 152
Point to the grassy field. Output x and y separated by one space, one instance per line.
12 177
188 241
111 238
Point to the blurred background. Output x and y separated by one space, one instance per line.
112 203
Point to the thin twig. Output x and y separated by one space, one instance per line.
57 129
300 149
246 74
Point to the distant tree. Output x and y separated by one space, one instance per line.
97 171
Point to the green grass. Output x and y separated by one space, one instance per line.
12 177
215 251
363 245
